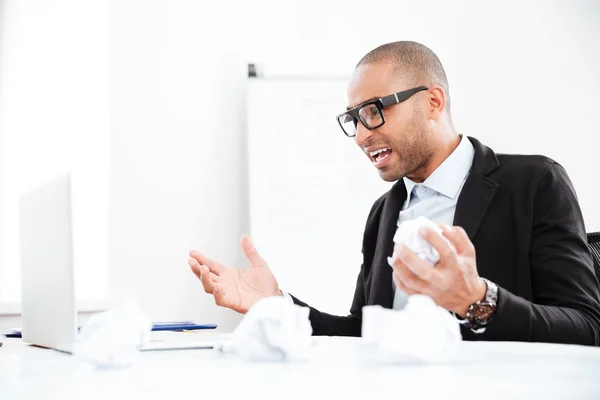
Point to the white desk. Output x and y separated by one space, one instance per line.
334 371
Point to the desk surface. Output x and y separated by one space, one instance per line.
336 369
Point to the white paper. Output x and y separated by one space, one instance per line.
421 332
408 234
112 339
272 330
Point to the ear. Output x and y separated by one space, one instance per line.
437 102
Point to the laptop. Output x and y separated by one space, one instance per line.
49 306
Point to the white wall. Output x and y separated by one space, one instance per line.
54 117
177 154
177 118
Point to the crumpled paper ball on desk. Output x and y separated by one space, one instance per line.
272 330
112 339
421 332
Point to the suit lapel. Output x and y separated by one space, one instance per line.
473 202
381 285
478 190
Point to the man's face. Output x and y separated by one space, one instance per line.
405 136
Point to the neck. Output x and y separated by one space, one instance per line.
444 147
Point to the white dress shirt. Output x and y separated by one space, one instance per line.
436 197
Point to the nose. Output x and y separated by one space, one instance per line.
362 134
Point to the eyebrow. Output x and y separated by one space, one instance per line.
363 102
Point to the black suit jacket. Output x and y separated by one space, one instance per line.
522 215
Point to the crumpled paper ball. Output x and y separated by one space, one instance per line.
272 330
112 339
408 234
421 332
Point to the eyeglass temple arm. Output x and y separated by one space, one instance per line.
400 96
389 100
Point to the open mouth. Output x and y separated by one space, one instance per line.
379 155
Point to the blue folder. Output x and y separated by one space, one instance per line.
178 326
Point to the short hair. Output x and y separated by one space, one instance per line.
413 61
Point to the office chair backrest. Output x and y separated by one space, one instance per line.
594 245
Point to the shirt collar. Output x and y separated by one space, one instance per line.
450 174
409 187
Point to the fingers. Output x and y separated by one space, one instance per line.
219 294
459 239
421 269
443 247
203 273
207 281
251 254
195 266
402 286
203 260
407 278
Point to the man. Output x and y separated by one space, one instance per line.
516 264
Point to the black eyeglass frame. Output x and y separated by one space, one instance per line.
381 103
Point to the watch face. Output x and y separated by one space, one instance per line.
483 311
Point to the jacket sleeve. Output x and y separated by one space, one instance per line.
324 324
566 294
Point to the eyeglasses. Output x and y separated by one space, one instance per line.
370 114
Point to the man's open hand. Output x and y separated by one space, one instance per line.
236 288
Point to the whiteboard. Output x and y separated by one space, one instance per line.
310 188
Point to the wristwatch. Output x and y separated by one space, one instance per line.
479 315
